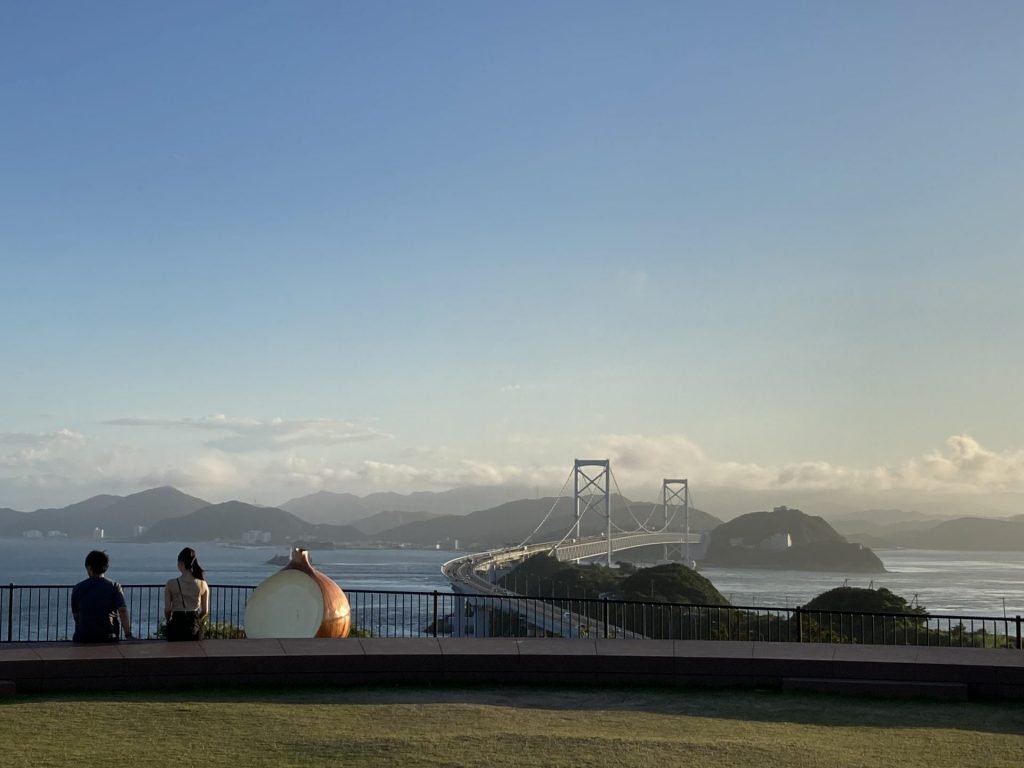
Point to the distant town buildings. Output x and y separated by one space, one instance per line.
777 542
32 534
97 533
257 537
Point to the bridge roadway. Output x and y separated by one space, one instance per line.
469 575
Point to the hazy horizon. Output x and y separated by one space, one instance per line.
258 251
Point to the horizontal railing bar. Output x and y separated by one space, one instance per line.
41 612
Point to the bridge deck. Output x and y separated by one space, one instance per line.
911 671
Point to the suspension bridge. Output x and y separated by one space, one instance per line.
477 575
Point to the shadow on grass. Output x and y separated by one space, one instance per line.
759 705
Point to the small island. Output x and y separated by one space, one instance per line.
787 539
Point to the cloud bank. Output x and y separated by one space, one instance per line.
246 434
269 460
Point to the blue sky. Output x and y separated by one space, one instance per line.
771 246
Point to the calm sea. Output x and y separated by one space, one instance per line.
978 583
975 583
24 561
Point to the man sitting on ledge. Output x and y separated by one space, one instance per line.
96 604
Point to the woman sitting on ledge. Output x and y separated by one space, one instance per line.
186 599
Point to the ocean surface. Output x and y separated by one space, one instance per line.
964 583
61 562
960 583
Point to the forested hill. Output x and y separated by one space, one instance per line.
231 520
756 540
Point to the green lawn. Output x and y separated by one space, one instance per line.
502 727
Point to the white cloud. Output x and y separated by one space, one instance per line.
247 434
41 469
962 465
42 440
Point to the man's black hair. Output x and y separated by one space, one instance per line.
97 562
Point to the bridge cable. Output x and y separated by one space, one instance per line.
641 526
588 505
558 498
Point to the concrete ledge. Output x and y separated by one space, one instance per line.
889 688
947 673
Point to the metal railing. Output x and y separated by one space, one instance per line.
43 613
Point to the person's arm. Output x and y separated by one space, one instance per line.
167 602
122 611
204 600
74 604
126 622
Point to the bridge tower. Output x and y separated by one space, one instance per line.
591 483
673 493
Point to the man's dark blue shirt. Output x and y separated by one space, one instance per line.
95 602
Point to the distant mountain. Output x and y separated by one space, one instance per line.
787 539
10 519
329 507
231 520
118 516
512 522
75 516
831 503
147 508
971 534
886 536
383 521
882 517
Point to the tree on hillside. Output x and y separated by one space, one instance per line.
862 600
671 583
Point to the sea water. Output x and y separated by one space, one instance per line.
62 562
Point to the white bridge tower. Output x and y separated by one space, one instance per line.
674 493
590 484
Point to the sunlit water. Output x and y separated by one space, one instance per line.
62 562
944 582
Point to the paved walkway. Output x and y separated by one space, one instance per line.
948 673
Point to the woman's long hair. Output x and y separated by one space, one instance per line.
188 557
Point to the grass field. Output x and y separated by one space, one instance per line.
502 727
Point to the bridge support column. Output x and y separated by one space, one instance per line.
673 494
591 483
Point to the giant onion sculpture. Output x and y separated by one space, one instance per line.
298 601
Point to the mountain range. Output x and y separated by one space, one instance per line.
445 517
170 515
330 507
118 516
233 519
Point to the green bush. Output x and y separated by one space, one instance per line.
216 630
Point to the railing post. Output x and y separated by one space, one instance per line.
604 612
1018 632
10 610
799 625
435 613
